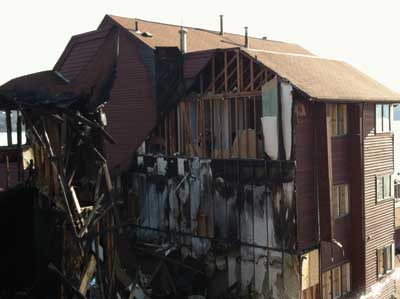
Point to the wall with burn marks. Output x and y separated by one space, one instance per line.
236 216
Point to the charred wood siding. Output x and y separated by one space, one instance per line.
13 175
306 205
131 109
79 52
379 216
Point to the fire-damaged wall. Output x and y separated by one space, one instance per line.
235 216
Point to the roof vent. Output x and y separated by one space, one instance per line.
137 26
246 37
264 38
183 33
147 34
221 24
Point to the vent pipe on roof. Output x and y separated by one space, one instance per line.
136 26
264 38
221 24
183 33
246 37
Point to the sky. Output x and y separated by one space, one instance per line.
363 33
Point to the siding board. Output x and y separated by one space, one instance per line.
379 216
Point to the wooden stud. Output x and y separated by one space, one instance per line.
212 126
9 128
226 71
229 130
238 71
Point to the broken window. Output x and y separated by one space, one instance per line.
336 282
382 118
383 187
340 200
385 260
9 128
337 114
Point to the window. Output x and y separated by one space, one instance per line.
382 118
383 187
340 200
8 128
385 260
337 114
336 282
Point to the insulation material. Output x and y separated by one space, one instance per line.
309 269
286 106
273 209
261 272
181 167
162 165
269 118
275 276
247 269
260 215
291 277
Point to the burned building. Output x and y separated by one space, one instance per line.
242 166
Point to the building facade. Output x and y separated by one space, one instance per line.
244 166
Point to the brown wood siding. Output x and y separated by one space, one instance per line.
79 52
397 239
340 159
131 109
356 200
379 216
306 206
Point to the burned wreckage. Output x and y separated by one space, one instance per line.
170 162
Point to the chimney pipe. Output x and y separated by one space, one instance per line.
246 37
221 24
136 26
183 33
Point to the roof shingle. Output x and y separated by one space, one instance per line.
166 35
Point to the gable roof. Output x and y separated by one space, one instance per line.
325 79
320 78
167 35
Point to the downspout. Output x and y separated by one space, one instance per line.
316 186
362 182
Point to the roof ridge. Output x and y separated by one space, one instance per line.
202 29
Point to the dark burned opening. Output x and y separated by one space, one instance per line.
32 238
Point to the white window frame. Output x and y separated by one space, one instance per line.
380 120
384 177
386 270
336 202
335 124
13 115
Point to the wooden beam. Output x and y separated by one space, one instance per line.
232 95
238 71
215 78
251 74
87 275
9 130
226 71
251 84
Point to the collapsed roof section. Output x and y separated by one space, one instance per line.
91 86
